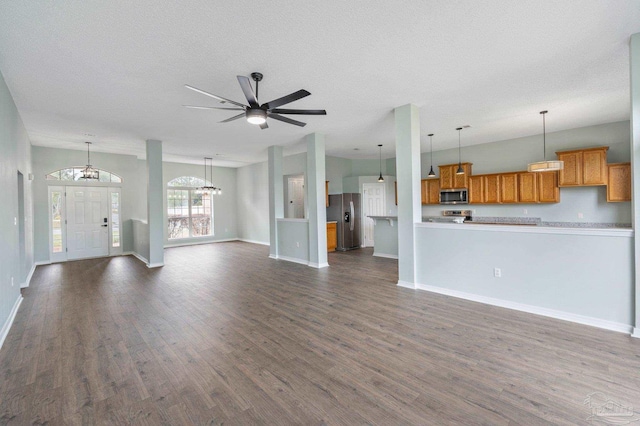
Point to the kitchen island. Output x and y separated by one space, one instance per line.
525 268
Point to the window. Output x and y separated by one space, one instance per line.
55 203
115 219
189 209
75 174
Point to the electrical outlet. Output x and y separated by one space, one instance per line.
297 244
580 216
15 221
497 272
11 281
525 211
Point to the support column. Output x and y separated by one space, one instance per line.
276 197
634 60
407 121
316 201
155 208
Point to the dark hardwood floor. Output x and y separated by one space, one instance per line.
223 334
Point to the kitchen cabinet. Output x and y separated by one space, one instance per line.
430 191
508 187
527 187
326 192
332 236
491 189
583 167
450 180
548 191
476 189
619 182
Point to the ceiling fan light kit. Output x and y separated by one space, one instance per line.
545 166
254 112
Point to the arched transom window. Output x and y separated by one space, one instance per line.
75 174
189 209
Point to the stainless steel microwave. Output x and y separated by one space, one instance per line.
454 196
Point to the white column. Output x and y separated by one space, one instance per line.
276 197
634 55
155 210
316 201
407 121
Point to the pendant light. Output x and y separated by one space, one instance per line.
90 173
460 170
432 174
380 178
544 165
207 187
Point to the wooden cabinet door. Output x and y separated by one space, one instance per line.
433 191
424 191
548 191
491 189
619 186
508 188
527 188
446 177
594 167
571 174
462 181
332 237
476 189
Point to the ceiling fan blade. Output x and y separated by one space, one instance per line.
286 99
264 125
208 107
287 120
245 84
235 117
300 111
220 98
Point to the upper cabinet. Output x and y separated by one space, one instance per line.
583 167
619 187
430 191
450 180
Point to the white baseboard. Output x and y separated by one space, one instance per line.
388 256
636 332
154 265
42 262
197 242
319 265
25 284
9 322
537 310
273 256
406 284
254 242
137 256
294 260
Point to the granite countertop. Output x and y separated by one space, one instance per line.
530 221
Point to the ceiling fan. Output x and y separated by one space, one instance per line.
256 113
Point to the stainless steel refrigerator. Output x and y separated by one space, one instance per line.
345 209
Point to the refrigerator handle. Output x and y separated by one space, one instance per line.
352 215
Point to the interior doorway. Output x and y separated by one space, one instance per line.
373 204
295 197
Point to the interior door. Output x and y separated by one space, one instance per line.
373 204
296 198
87 222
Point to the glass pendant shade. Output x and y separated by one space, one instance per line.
432 173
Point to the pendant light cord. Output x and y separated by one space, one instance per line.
431 149
544 135
459 150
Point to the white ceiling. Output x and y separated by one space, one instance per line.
116 70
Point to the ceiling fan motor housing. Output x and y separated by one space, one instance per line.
256 115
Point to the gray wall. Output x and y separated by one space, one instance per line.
253 203
293 239
225 206
46 160
15 149
515 154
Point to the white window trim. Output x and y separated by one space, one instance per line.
190 237
115 251
62 256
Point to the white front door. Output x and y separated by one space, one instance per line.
296 198
373 204
87 222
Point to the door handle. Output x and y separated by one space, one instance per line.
104 226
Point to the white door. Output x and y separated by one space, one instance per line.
87 222
296 198
373 204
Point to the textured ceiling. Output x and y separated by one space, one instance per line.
116 70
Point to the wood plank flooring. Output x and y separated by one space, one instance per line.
224 335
